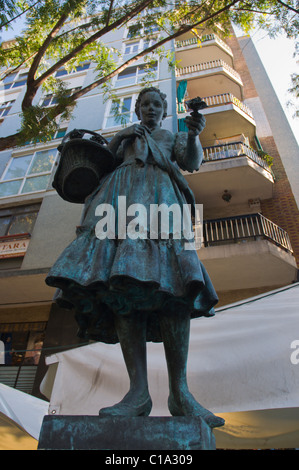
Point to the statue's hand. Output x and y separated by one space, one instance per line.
195 124
132 131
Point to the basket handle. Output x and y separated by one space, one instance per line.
79 133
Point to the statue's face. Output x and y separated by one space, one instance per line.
151 109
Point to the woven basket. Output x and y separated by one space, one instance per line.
82 165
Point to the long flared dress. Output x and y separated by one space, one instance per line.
117 274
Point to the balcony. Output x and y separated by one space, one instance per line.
235 167
247 251
212 77
245 227
207 47
226 115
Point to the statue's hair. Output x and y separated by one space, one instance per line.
146 90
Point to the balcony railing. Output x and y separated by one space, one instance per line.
19 377
233 150
212 64
226 98
245 227
203 39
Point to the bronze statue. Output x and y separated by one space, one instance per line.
137 289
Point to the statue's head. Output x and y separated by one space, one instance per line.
151 91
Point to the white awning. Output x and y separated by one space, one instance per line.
21 417
243 365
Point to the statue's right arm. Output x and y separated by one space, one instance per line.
128 132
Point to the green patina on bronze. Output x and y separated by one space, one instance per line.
119 433
137 290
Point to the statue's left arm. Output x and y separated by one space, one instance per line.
193 153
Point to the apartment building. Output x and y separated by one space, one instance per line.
247 185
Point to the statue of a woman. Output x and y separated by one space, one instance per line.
133 290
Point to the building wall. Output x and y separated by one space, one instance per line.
53 231
276 138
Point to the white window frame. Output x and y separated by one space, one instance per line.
52 97
16 81
132 116
131 44
142 33
138 77
139 44
27 176
59 134
4 110
62 72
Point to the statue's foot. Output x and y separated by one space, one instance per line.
125 408
188 406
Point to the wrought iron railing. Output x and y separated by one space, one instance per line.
233 150
245 227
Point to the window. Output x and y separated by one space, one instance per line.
57 135
50 99
136 31
14 80
151 29
60 133
132 32
17 220
5 108
62 71
133 75
132 48
148 43
122 112
28 173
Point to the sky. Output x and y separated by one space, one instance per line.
278 59
276 55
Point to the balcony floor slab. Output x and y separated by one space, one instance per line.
248 264
241 176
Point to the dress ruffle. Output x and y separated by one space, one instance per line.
100 278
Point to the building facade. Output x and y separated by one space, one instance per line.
247 185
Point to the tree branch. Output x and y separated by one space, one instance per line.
18 16
254 11
287 6
32 85
9 71
92 39
183 29
109 12
12 140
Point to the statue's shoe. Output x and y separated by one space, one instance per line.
128 409
193 408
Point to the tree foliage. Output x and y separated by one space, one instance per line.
60 33
11 10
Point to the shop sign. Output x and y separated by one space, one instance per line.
13 248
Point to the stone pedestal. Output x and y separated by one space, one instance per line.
119 433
